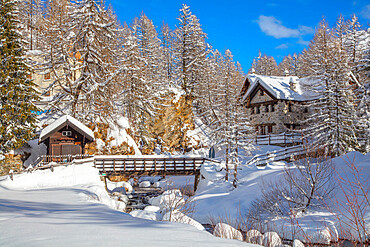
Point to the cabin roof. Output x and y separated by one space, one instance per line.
63 121
277 86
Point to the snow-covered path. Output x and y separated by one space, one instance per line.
71 216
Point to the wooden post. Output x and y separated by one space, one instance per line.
155 165
165 168
184 164
285 138
174 165
124 165
194 166
114 165
103 166
134 165
196 180
94 162
269 139
144 162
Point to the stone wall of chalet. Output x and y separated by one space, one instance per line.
280 117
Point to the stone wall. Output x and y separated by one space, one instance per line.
280 116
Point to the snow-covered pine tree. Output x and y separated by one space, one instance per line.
167 38
57 24
190 51
31 22
330 127
90 65
148 77
223 113
265 65
363 108
17 110
286 67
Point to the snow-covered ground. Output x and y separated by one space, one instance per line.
70 207
217 200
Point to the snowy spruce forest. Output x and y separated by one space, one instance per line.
146 89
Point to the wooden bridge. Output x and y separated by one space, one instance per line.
149 165
128 165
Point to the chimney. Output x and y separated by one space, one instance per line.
293 85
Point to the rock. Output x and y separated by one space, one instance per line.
144 214
254 237
223 230
145 184
152 208
168 199
297 243
271 239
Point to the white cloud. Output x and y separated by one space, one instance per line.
282 47
273 27
303 42
306 30
366 12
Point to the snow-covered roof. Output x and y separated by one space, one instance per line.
61 122
278 86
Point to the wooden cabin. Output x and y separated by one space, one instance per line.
66 136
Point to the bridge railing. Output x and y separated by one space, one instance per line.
149 164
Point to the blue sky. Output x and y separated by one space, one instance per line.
276 27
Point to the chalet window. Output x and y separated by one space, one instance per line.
66 133
257 110
305 110
47 76
266 108
272 108
269 129
262 130
289 107
252 110
261 93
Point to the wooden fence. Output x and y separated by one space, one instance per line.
279 139
282 154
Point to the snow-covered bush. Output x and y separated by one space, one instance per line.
177 216
254 237
224 230
304 185
271 239
173 200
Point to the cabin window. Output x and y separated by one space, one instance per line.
266 108
252 110
305 110
269 129
261 93
66 133
47 76
289 106
257 110
272 108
